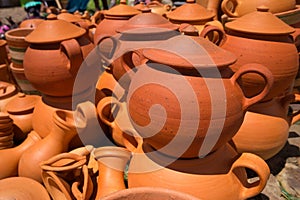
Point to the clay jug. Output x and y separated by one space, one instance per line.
219 175
10 157
20 109
22 188
111 164
114 18
261 33
189 74
261 134
191 13
238 8
62 47
150 193
122 130
56 142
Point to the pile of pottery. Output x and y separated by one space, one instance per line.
146 101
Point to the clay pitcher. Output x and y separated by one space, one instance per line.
111 165
10 157
61 47
56 142
266 40
159 89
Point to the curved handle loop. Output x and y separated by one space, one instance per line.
259 166
262 71
115 46
74 54
225 9
97 17
211 29
101 106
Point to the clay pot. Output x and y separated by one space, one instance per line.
261 134
31 23
150 193
111 164
191 13
140 31
159 8
8 91
220 175
22 188
62 47
183 73
291 17
56 142
17 45
113 18
238 8
266 40
10 157
21 80
122 131
20 109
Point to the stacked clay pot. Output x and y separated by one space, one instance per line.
6 131
63 47
268 41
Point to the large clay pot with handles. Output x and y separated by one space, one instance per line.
261 37
220 175
174 97
57 49
238 8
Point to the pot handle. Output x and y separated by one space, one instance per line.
259 166
225 9
74 54
131 139
262 71
214 29
109 59
100 109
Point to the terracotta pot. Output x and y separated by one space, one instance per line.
62 47
291 17
122 130
159 8
111 164
56 142
113 18
170 77
266 40
220 175
21 80
17 45
20 109
238 8
191 13
31 23
10 157
150 193
140 31
8 91
261 134
22 188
